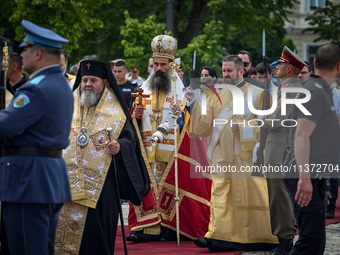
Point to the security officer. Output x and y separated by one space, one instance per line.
317 139
34 129
281 211
135 78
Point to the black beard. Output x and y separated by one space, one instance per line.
160 81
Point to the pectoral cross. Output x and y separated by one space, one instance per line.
140 96
174 65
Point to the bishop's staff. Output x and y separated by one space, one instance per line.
109 130
174 67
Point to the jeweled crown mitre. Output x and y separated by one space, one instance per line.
164 46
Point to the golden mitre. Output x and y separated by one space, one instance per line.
164 46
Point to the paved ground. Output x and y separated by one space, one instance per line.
332 232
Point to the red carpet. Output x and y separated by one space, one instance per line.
186 247
337 213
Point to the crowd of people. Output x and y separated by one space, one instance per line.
74 146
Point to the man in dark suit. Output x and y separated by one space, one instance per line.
34 129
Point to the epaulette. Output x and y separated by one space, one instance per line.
37 80
317 85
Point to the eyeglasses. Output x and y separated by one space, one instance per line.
246 64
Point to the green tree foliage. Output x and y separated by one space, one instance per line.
138 36
219 27
104 28
325 22
68 18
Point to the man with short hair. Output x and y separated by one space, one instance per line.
237 198
15 78
247 61
281 210
261 74
63 63
208 77
316 142
305 73
125 86
88 224
34 129
274 65
150 65
134 77
179 70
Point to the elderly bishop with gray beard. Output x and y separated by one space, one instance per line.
88 224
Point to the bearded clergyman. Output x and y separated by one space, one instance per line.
155 218
88 224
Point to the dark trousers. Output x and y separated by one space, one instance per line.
4 250
334 193
282 216
31 228
311 220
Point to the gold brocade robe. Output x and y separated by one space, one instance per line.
87 166
239 202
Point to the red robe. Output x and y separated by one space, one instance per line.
194 193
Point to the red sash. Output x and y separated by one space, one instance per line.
194 193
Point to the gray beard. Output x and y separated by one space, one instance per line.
89 99
232 81
160 82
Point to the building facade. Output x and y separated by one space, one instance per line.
305 45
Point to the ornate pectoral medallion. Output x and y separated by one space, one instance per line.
82 137
155 116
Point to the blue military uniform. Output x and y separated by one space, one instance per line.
34 129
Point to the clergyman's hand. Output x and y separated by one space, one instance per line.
113 147
139 110
176 109
190 94
234 126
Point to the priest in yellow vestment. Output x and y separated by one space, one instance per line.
239 214
88 224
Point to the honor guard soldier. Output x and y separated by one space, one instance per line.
34 129
282 216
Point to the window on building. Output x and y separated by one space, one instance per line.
315 3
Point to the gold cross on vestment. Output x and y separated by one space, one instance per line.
88 65
140 96
174 65
155 116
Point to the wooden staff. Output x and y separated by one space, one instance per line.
174 67
109 130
